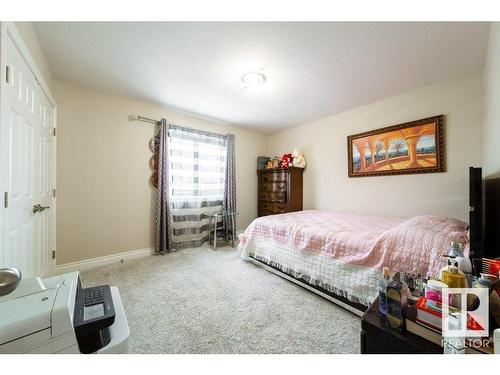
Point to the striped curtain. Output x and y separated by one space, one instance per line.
197 182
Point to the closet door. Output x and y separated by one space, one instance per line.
27 166
44 219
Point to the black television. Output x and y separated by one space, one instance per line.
491 247
484 215
475 212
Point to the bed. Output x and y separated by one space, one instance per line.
341 255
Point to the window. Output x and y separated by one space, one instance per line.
197 177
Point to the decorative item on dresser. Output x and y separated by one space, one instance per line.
279 190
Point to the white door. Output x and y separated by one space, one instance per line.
27 166
43 196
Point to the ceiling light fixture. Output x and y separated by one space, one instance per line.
253 79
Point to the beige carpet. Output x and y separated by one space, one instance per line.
201 301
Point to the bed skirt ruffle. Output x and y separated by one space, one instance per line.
354 283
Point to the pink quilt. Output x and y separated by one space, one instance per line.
416 244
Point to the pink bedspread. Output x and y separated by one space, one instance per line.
416 244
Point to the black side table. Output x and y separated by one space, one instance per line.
378 338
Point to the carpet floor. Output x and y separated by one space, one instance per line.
204 301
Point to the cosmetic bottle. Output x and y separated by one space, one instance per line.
382 291
397 292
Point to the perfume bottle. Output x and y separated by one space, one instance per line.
382 291
397 292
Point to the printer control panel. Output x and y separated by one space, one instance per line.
94 313
93 303
93 295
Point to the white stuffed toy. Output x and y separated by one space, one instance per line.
298 159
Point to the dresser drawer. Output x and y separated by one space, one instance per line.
273 186
273 196
273 207
273 177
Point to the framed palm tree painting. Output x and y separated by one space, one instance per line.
412 147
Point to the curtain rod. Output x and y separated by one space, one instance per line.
144 119
171 126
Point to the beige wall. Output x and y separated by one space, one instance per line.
29 37
326 185
492 105
104 194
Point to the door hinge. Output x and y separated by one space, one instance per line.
53 254
54 132
7 74
6 199
54 193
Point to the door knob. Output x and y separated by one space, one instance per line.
39 208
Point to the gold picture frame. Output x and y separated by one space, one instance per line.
408 148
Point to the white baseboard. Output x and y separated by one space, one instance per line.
102 261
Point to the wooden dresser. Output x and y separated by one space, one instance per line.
279 190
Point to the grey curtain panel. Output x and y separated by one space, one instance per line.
163 227
229 203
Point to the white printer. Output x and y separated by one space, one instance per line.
56 315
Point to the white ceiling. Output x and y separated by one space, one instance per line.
313 69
